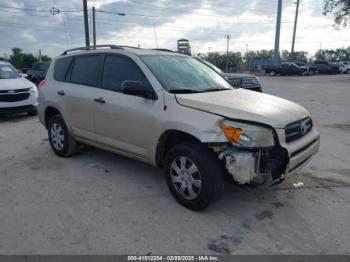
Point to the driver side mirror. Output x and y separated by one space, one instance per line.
134 88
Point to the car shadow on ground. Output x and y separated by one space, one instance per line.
14 117
121 167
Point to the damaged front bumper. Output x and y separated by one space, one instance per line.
260 165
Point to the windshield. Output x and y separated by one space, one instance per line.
184 74
212 66
7 72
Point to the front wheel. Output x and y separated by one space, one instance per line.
61 141
194 175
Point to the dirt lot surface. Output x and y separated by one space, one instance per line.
100 203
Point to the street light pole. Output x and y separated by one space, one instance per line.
94 26
278 33
295 29
228 42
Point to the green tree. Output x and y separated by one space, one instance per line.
297 57
340 9
24 60
334 55
235 60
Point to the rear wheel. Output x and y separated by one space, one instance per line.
311 72
61 141
194 175
273 73
347 71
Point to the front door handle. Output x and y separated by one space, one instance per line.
61 93
100 100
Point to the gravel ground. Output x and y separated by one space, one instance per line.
100 203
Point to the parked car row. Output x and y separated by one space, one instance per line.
299 68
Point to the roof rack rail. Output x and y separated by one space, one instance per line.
163 49
91 48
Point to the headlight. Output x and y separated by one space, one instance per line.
33 89
246 135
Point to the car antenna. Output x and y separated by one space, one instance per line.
160 68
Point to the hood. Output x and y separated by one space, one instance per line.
242 104
236 75
15 83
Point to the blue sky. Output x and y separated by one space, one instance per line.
29 25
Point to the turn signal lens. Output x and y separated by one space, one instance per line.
232 132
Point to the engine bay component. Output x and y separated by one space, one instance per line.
256 166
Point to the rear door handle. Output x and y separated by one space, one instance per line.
100 100
61 93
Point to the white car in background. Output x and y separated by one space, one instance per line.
17 94
344 67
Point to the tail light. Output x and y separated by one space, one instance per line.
41 84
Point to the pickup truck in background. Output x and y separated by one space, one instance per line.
37 72
286 69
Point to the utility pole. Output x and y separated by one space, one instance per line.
295 28
94 26
86 24
209 50
39 58
278 33
228 37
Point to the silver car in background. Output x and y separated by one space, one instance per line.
17 94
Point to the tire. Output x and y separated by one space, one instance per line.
61 141
347 71
32 113
311 72
273 73
198 180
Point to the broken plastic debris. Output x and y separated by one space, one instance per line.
219 247
299 184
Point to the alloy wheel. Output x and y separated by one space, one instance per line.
185 177
57 136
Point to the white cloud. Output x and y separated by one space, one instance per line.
203 22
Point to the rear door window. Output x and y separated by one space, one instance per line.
118 69
85 70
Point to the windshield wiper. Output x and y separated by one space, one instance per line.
184 91
215 89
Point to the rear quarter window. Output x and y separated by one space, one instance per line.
61 67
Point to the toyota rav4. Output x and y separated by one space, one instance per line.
173 111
